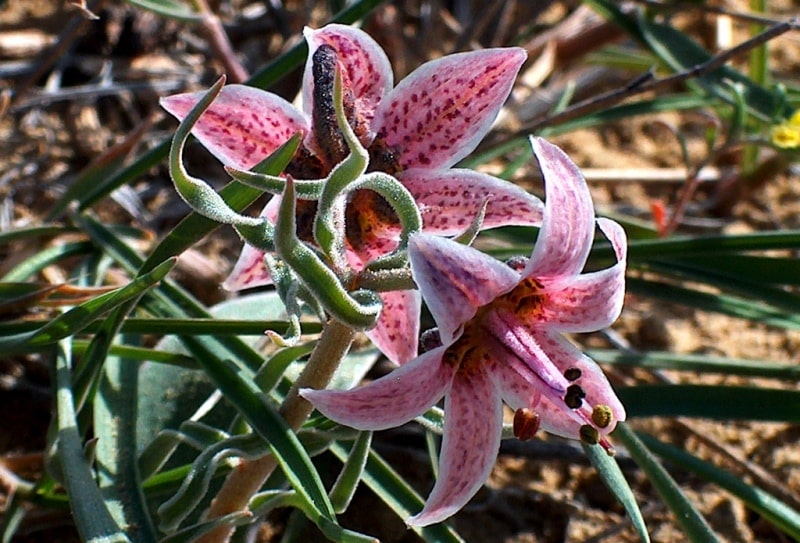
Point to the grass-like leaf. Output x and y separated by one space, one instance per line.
77 318
694 525
92 517
774 510
712 402
612 476
398 495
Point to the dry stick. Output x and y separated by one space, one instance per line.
749 16
248 477
647 82
56 52
219 42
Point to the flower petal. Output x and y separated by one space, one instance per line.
568 226
390 401
366 68
243 126
590 301
450 199
472 428
439 113
455 280
397 332
250 270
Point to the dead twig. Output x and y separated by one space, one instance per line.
647 82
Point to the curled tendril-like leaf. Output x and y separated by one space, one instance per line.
307 189
196 192
195 485
360 310
286 285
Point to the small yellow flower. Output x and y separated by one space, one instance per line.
787 135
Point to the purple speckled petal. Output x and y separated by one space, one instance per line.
591 301
455 280
472 428
521 350
568 227
250 270
397 332
367 72
439 113
390 401
243 126
449 200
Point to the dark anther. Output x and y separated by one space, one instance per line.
572 374
430 340
574 396
517 263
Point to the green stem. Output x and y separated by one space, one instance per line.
758 73
248 477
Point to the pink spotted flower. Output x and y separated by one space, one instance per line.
501 341
415 131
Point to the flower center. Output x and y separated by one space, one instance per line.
370 220
525 300
467 353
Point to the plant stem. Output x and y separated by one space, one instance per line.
248 477
758 73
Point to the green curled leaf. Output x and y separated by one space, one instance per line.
307 189
195 485
286 285
316 276
403 204
196 192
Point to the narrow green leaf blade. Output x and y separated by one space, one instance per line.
774 510
612 476
694 525
712 402
92 518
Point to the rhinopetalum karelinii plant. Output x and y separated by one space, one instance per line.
501 341
415 131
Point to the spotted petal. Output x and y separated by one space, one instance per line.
520 389
397 331
590 301
472 428
455 280
243 126
439 113
390 401
450 199
367 72
568 226
250 270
